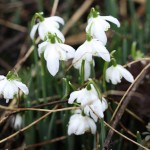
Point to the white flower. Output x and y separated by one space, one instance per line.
115 73
90 102
96 109
16 122
99 25
50 24
8 88
79 124
86 51
53 52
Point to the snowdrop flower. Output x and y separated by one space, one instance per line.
85 52
79 124
50 24
9 87
96 109
97 25
16 122
115 73
90 102
53 52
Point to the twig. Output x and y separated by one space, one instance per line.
46 142
27 127
124 102
18 65
36 109
13 26
111 128
123 127
135 61
77 15
54 7
5 64
11 42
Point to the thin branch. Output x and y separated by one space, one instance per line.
77 15
46 142
139 60
37 109
27 127
19 64
13 25
55 5
111 128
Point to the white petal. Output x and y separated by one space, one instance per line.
111 19
73 96
2 77
53 62
62 53
100 50
89 112
50 23
16 122
50 47
99 33
10 90
104 104
115 76
33 31
108 73
2 85
42 47
92 125
22 87
87 70
126 74
97 108
70 51
7 100
81 128
103 24
42 31
58 19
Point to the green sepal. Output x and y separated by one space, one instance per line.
12 76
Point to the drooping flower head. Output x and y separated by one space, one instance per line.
90 102
115 73
79 124
86 51
16 121
45 25
54 51
97 25
10 85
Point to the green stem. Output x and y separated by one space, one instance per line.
82 72
43 77
96 87
104 75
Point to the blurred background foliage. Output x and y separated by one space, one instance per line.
131 42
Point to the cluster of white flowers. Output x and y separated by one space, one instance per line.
92 108
54 50
53 46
